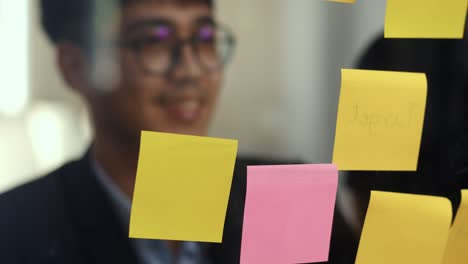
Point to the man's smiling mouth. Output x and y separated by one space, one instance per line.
185 108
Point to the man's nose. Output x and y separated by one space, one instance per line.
186 64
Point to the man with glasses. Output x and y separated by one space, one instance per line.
139 65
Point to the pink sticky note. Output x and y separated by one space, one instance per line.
288 213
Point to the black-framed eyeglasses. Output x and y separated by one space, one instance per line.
212 46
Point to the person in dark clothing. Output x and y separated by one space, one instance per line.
443 162
139 65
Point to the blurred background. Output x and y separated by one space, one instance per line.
279 99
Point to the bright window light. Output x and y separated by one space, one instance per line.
47 128
14 29
17 162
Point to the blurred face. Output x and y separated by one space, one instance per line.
155 79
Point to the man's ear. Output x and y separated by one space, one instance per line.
75 67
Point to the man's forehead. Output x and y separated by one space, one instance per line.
180 13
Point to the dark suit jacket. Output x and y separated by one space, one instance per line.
66 217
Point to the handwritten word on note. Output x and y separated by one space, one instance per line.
425 18
456 252
182 187
344 1
404 228
380 120
288 213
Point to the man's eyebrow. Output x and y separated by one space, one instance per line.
142 23
205 20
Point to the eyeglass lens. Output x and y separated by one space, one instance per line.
211 46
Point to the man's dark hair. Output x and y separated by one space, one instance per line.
73 20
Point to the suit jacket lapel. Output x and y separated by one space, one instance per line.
100 232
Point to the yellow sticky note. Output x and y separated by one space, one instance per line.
182 187
425 18
456 251
380 120
404 229
344 1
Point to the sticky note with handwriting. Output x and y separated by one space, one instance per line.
288 213
425 18
456 251
182 187
380 120
404 228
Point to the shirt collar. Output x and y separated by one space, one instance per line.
119 199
